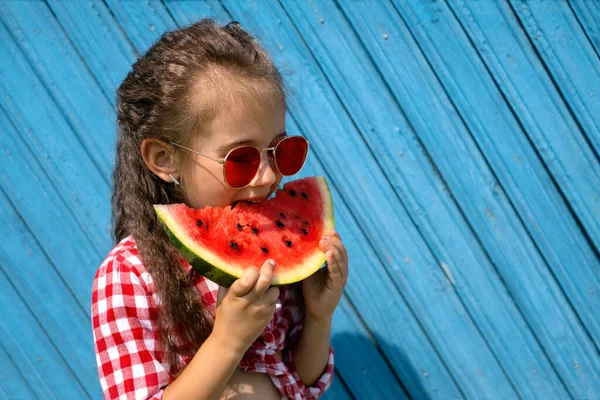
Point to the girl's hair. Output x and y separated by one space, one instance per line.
183 80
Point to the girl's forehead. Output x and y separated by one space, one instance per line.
234 108
254 121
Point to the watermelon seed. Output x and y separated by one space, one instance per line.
304 231
233 245
305 223
199 222
304 195
264 249
255 231
288 243
279 223
281 215
292 193
239 227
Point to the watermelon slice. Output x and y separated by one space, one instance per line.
221 243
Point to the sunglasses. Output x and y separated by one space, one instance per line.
241 164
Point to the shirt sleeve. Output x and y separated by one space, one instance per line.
124 322
325 380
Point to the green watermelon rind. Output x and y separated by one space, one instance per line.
214 268
210 271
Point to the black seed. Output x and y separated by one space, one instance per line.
305 223
239 226
264 249
255 231
288 243
292 193
279 223
199 222
281 215
304 196
233 245
304 231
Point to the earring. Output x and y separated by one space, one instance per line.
175 181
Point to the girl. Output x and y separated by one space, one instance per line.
200 95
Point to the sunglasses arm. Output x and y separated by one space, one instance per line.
221 161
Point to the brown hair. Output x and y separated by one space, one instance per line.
170 93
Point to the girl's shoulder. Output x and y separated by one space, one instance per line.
123 262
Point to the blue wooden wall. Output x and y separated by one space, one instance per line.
461 139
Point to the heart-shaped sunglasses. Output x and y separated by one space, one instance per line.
241 164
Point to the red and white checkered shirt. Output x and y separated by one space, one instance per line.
129 355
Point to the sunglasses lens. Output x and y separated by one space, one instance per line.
241 165
291 154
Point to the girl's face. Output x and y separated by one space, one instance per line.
232 126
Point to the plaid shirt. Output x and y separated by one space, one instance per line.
128 353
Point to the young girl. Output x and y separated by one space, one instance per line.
192 115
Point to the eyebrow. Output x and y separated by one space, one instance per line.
226 147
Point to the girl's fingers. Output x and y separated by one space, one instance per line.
337 257
333 265
264 279
243 285
271 295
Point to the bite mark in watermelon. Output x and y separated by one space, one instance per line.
221 243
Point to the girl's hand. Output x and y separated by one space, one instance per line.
246 308
323 290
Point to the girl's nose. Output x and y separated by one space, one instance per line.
267 173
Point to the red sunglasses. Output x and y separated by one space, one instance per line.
241 164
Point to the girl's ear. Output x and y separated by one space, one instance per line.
159 157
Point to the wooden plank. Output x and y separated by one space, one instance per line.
362 367
570 58
521 78
186 12
315 106
99 40
529 90
338 75
65 242
337 390
513 159
391 323
38 120
330 41
65 75
142 24
36 262
38 360
12 383
588 14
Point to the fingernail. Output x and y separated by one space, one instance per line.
272 262
325 238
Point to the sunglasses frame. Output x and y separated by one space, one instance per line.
223 161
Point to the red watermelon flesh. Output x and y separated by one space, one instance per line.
221 243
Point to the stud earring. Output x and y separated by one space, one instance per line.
175 181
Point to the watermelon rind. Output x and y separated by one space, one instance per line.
210 265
